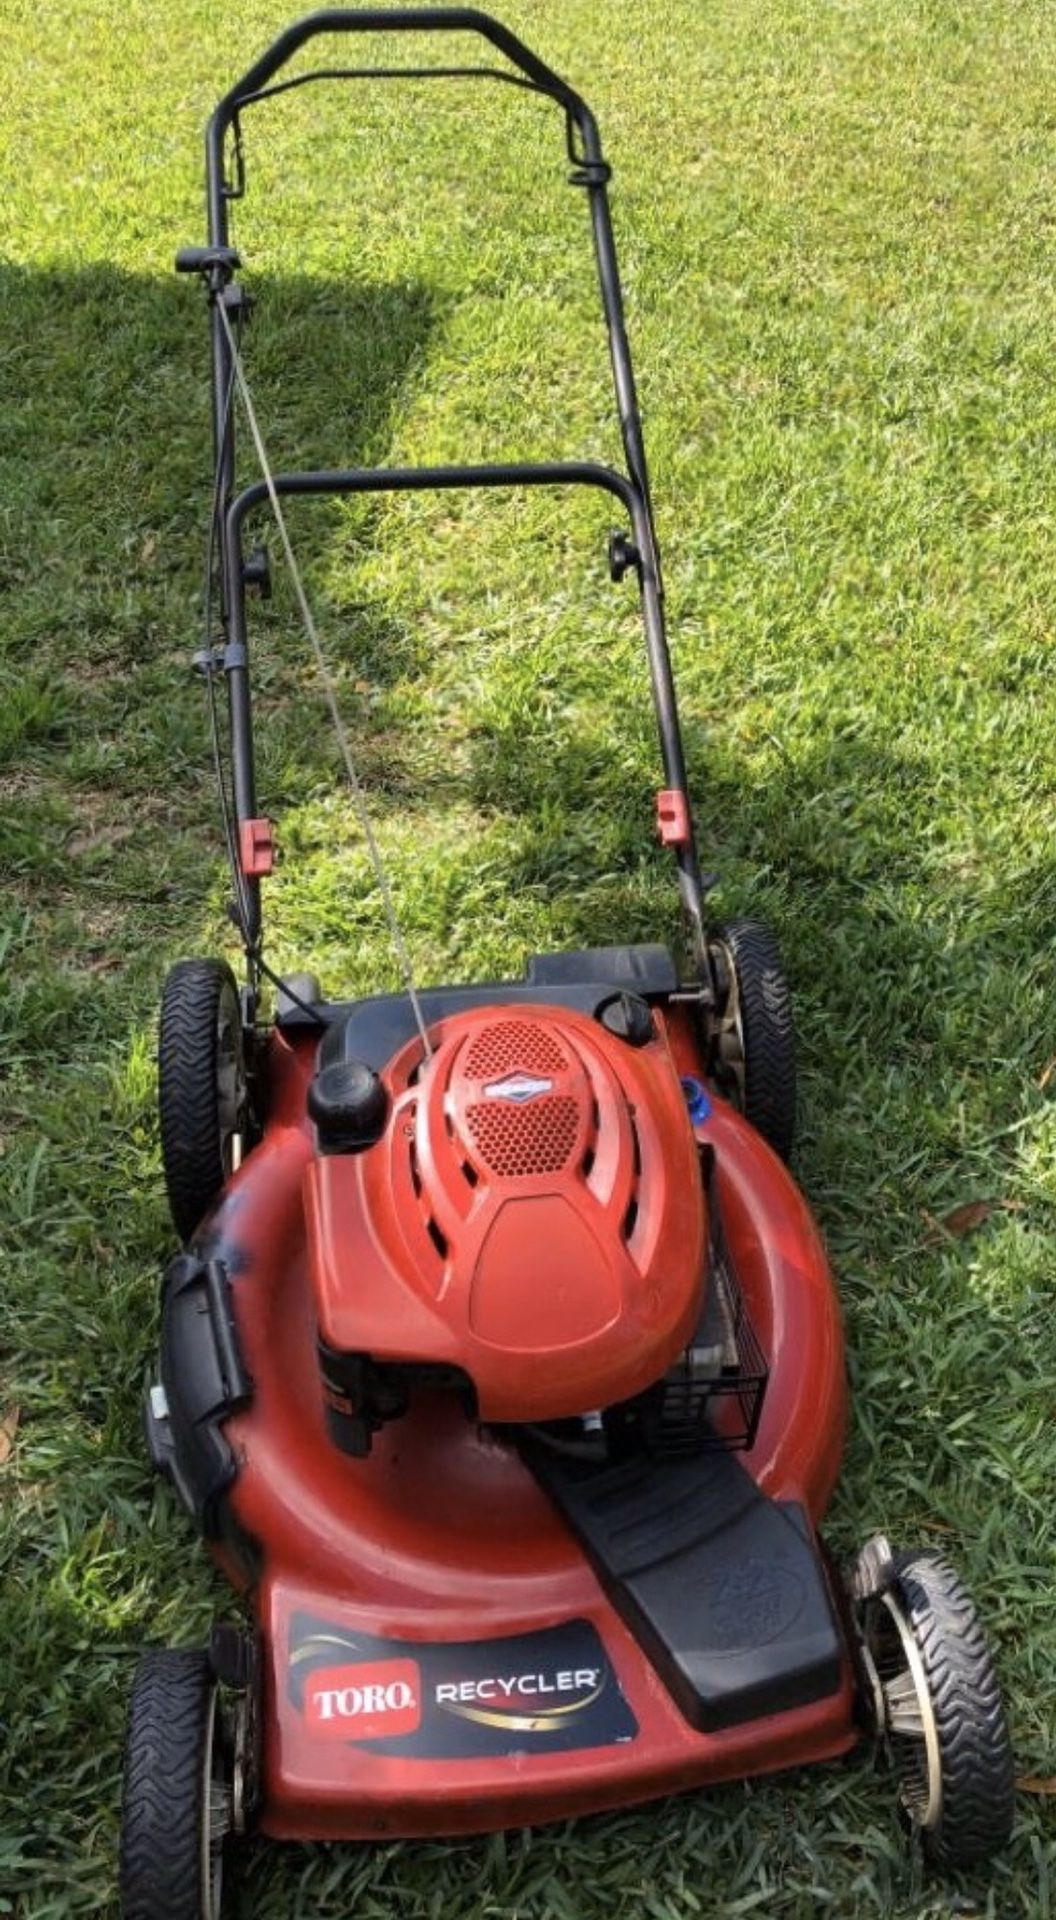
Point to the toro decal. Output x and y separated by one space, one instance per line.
367 1701
531 1692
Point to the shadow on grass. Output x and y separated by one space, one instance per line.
105 477
906 952
105 850
106 460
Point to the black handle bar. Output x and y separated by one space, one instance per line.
386 20
402 20
216 263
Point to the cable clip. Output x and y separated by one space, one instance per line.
585 172
236 300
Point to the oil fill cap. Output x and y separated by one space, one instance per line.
627 1016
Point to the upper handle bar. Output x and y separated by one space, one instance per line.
387 20
402 20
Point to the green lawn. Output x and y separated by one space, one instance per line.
837 225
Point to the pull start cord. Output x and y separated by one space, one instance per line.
359 799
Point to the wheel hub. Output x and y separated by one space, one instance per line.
908 1720
899 1695
726 1029
217 1808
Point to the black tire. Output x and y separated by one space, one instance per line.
174 1772
762 1032
976 1787
202 1097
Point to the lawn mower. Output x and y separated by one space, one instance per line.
501 1366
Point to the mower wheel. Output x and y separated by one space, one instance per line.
202 1089
755 1045
177 1798
940 1708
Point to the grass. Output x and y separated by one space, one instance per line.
836 220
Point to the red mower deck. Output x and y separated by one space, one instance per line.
405 1557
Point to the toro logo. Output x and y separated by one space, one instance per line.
372 1700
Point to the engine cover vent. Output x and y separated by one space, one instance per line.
520 1140
510 1046
534 1216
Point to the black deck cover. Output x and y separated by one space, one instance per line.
373 1029
724 1588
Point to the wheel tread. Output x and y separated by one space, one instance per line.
975 1749
191 1146
768 1033
163 1808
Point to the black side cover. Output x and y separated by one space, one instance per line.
646 969
202 1380
724 1588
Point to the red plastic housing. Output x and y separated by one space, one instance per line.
443 1536
534 1216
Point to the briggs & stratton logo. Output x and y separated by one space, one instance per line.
518 1087
369 1701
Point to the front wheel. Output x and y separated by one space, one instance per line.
939 1705
177 1808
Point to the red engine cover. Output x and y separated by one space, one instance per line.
534 1215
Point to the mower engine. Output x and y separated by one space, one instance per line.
522 1219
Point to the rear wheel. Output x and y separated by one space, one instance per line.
202 1088
939 1705
177 1807
754 1046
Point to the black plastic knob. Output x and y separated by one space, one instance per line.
349 1105
622 554
627 1016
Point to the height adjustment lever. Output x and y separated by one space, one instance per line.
623 554
256 573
